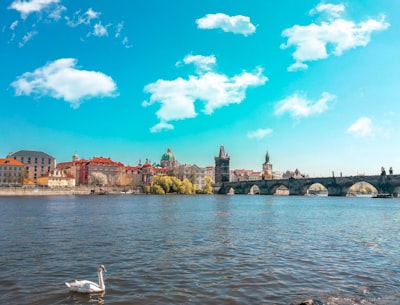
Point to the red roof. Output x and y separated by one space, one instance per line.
104 161
10 161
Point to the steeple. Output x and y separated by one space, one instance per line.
266 158
267 167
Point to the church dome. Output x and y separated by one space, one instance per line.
168 156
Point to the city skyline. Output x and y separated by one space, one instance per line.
313 83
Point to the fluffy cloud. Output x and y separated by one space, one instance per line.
362 127
297 105
34 6
235 24
177 97
61 79
311 42
259 133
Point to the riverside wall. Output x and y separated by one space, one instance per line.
31 191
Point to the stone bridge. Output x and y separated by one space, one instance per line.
336 186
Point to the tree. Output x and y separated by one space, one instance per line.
97 179
207 189
186 187
170 184
158 190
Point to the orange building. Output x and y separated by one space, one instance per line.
11 172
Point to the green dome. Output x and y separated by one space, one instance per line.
168 156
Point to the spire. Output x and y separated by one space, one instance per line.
221 151
267 157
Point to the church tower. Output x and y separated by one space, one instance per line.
222 166
267 168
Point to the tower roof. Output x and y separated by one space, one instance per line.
168 156
31 153
267 157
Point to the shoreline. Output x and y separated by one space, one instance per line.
21 191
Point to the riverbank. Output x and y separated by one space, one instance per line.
22 191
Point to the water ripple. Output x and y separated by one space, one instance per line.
200 250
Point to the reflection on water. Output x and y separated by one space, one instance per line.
201 249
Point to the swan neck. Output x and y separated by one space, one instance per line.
101 280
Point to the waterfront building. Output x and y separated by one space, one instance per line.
245 175
57 178
98 170
195 174
222 166
11 172
142 174
36 163
295 175
209 171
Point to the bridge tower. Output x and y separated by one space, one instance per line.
267 167
222 166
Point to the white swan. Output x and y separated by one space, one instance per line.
85 286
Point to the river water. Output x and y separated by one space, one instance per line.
201 249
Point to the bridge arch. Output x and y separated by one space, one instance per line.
361 188
254 190
315 189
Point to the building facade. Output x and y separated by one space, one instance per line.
96 171
36 163
11 172
57 178
222 166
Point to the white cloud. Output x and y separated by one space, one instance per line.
177 97
33 6
61 79
27 37
161 126
56 13
332 10
259 133
100 30
202 63
14 25
311 41
297 105
235 24
362 127
82 18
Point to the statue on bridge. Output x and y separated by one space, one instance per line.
390 171
383 172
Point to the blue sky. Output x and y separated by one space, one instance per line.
314 83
